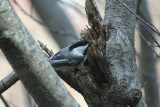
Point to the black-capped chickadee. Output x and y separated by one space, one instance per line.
71 56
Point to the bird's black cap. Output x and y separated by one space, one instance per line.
79 43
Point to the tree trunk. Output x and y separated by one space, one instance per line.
117 57
147 61
30 64
111 80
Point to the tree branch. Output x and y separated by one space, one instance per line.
8 81
112 64
150 45
146 26
152 27
30 64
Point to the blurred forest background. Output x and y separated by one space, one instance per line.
64 21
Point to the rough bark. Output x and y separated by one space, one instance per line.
147 60
113 64
54 17
30 63
111 80
121 84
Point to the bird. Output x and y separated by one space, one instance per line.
70 57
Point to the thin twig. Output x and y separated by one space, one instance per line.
138 17
8 81
153 28
149 44
155 52
4 101
144 84
44 47
152 36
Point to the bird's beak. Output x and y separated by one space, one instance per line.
90 43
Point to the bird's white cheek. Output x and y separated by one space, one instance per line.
79 51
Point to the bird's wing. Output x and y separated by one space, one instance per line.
66 62
57 56
61 62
